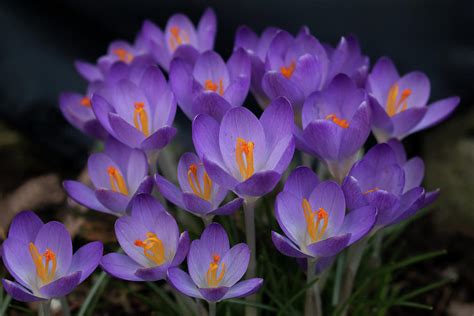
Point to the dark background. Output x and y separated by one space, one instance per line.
41 39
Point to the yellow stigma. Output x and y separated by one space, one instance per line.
196 185
244 157
341 122
313 221
140 118
209 85
85 101
123 55
45 264
178 37
287 72
392 106
153 248
117 183
211 276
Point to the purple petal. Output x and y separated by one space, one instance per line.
380 119
213 294
405 121
86 259
430 198
244 288
286 247
128 230
195 204
239 65
146 209
25 226
301 182
116 202
181 281
383 76
181 82
237 91
137 169
229 208
206 138
259 184
308 73
62 286
411 202
215 240
186 31
125 132
419 85
206 30
88 71
290 216
101 109
387 206
275 85
399 150
356 134
211 66
18 292
210 103
152 274
169 191
219 175
329 247
187 53
54 236
437 112
414 172
159 139
97 167
246 38
182 250
120 266
17 259
358 223
236 261
353 194
322 137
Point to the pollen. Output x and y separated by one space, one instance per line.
123 55
287 72
86 101
393 106
117 182
203 191
244 157
316 221
45 264
340 122
212 278
153 248
209 85
140 118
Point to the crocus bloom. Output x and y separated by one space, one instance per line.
181 38
257 49
387 181
198 194
312 215
211 86
77 109
39 257
295 67
245 154
151 241
138 115
399 103
214 269
117 174
336 124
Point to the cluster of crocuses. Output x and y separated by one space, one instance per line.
321 100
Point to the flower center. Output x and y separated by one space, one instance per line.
195 184
140 118
393 106
287 72
313 221
211 276
117 183
244 157
86 101
178 37
123 55
337 120
211 86
153 248
45 264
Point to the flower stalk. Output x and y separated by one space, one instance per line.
249 214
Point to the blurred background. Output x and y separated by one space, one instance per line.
38 149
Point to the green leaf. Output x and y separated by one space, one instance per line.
252 304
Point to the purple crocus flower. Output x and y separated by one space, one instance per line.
77 109
312 215
198 194
138 114
117 175
151 241
39 257
385 179
336 124
214 269
399 103
245 154
211 86
180 38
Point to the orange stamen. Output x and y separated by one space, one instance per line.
140 118
153 248
123 55
44 269
211 276
211 86
196 185
287 72
371 190
246 165
86 101
341 122
392 106
313 221
178 37
117 183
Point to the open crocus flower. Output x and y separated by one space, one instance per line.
117 174
151 241
211 86
77 109
245 154
214 269
387 181
312 215
198 194
399 103
39 257
257 49
336 124
181 38
140 114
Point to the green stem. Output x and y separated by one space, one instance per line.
65 306
249 213
313 296
207 220
167 164
212 308
44 309
103 278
